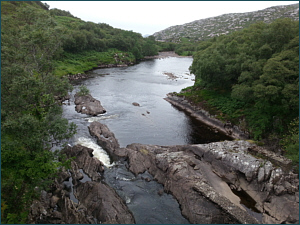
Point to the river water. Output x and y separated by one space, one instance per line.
154 121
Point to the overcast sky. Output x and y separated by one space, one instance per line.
148 17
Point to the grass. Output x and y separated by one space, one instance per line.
74 63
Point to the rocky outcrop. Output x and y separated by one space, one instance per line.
206 178
202 178
88 105
106 139
78 196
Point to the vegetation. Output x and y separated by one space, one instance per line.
38 47
83 90
249 77
252 78
31 119
87 45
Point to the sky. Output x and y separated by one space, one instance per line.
148 17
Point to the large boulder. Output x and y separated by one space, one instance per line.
105 138
86 104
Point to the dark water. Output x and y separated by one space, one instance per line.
155 121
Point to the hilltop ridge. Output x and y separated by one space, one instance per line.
204 29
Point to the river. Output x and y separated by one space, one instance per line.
154 121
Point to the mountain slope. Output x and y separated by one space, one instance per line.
206 28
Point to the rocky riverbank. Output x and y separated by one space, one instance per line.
204 177
227 128
78 196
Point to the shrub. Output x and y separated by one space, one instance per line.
83 90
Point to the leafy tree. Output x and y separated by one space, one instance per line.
260 67
31 119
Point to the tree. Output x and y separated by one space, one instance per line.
31 119
260 67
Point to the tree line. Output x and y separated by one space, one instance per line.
253 75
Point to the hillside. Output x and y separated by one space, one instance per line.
39 47
206 28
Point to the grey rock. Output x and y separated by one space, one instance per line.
261 174
195 174
103 203
105 138
135 104
88 105
84 160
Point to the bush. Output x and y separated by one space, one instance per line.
83 90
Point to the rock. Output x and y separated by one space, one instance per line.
97 202
173 166
261 175
135 104
103 203
200 177
287 210
84 160
160 192
105 138
53 201
88 105
170 76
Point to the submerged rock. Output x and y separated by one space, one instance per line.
88 105
135 104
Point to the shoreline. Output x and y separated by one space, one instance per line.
203 116
161 55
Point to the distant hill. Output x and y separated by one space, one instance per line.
206 28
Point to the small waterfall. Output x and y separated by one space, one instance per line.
98 152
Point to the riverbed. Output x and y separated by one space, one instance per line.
151 121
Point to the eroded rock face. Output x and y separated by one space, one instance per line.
88 105
201 177
183 176
93 201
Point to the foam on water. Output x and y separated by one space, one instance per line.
98 152
98 118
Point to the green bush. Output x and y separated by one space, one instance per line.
83 90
